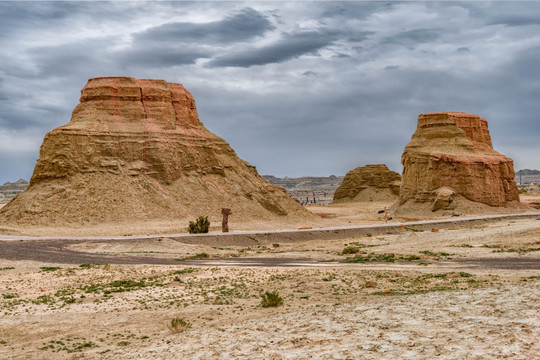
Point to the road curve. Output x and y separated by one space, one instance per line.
57 250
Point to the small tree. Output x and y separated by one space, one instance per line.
199 226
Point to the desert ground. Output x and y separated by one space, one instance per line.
463 291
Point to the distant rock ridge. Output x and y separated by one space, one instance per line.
451 158
528 172
367 183
331 182
11 189
135 150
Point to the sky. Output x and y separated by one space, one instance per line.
297 88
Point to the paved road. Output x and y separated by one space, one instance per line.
56 250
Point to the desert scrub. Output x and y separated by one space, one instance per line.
271 299
438 255
50 268
120 286
198 256
350 250
10 296
519 251
177 325
381 257
199 226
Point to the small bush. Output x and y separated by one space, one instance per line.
198 256
178 325
199 226
350 250
271 299
50 268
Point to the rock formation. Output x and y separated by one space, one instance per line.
134 151
450 166
368 183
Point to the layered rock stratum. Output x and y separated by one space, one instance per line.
135 150
450 167
373 182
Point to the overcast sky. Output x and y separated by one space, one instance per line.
296 88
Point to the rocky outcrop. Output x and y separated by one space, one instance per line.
368 183
450 159
134 151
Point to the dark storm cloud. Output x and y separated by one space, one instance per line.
290 46
244 25
413 37
162 56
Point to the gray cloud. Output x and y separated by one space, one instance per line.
244 25
413 37
517 20
290 46
160 56
355 102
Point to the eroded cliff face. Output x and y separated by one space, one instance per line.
373 182
450 157
135 150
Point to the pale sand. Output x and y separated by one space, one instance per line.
475 324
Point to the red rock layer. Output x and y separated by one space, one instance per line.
454 150
135 150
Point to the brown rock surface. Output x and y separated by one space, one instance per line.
450 165
135 150
369 183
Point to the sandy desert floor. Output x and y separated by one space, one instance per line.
416 294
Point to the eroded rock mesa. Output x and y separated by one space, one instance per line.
368 183
450 166
135 150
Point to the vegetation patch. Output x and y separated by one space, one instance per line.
177 325
50 268
438 255
519 251
115 286
271 299
382 257
68 345
199 226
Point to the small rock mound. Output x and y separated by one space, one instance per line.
135 151
451 168
368 183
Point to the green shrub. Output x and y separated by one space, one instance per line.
198 256
50 268
178 325
350 250
199 226
271 299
